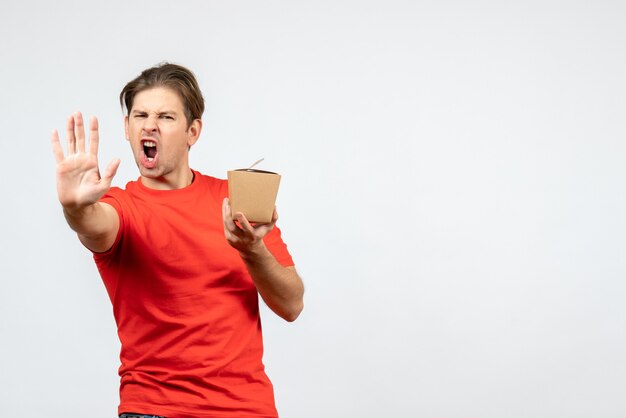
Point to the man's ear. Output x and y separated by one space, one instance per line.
193 133
126 128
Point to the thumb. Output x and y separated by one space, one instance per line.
111 169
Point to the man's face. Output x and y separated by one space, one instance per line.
160 137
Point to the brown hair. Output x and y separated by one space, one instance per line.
173 76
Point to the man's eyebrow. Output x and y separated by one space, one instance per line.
162 112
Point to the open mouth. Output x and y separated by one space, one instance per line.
150 150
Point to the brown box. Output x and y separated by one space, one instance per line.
253 192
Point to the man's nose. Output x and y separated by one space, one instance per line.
150 124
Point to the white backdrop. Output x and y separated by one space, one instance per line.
453 195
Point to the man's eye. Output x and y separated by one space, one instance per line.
138 116
167 117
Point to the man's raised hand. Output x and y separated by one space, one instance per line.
79 183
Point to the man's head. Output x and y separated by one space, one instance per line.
164 106
175 77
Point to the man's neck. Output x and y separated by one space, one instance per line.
171 181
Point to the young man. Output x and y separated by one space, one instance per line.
181 270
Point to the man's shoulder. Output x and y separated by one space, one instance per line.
207 178
215 184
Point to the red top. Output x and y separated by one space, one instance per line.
185 306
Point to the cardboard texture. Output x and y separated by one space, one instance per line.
253 192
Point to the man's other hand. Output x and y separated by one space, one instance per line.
241 234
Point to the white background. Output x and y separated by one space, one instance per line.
453 195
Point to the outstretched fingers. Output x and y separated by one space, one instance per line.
76 136
79 131
71 139
94 137
57 150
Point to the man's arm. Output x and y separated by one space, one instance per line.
80 186
96 225
280 287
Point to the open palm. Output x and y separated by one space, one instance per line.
79 182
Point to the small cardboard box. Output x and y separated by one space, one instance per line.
253 192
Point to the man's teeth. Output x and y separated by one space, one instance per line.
149 149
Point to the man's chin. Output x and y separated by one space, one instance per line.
151 173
